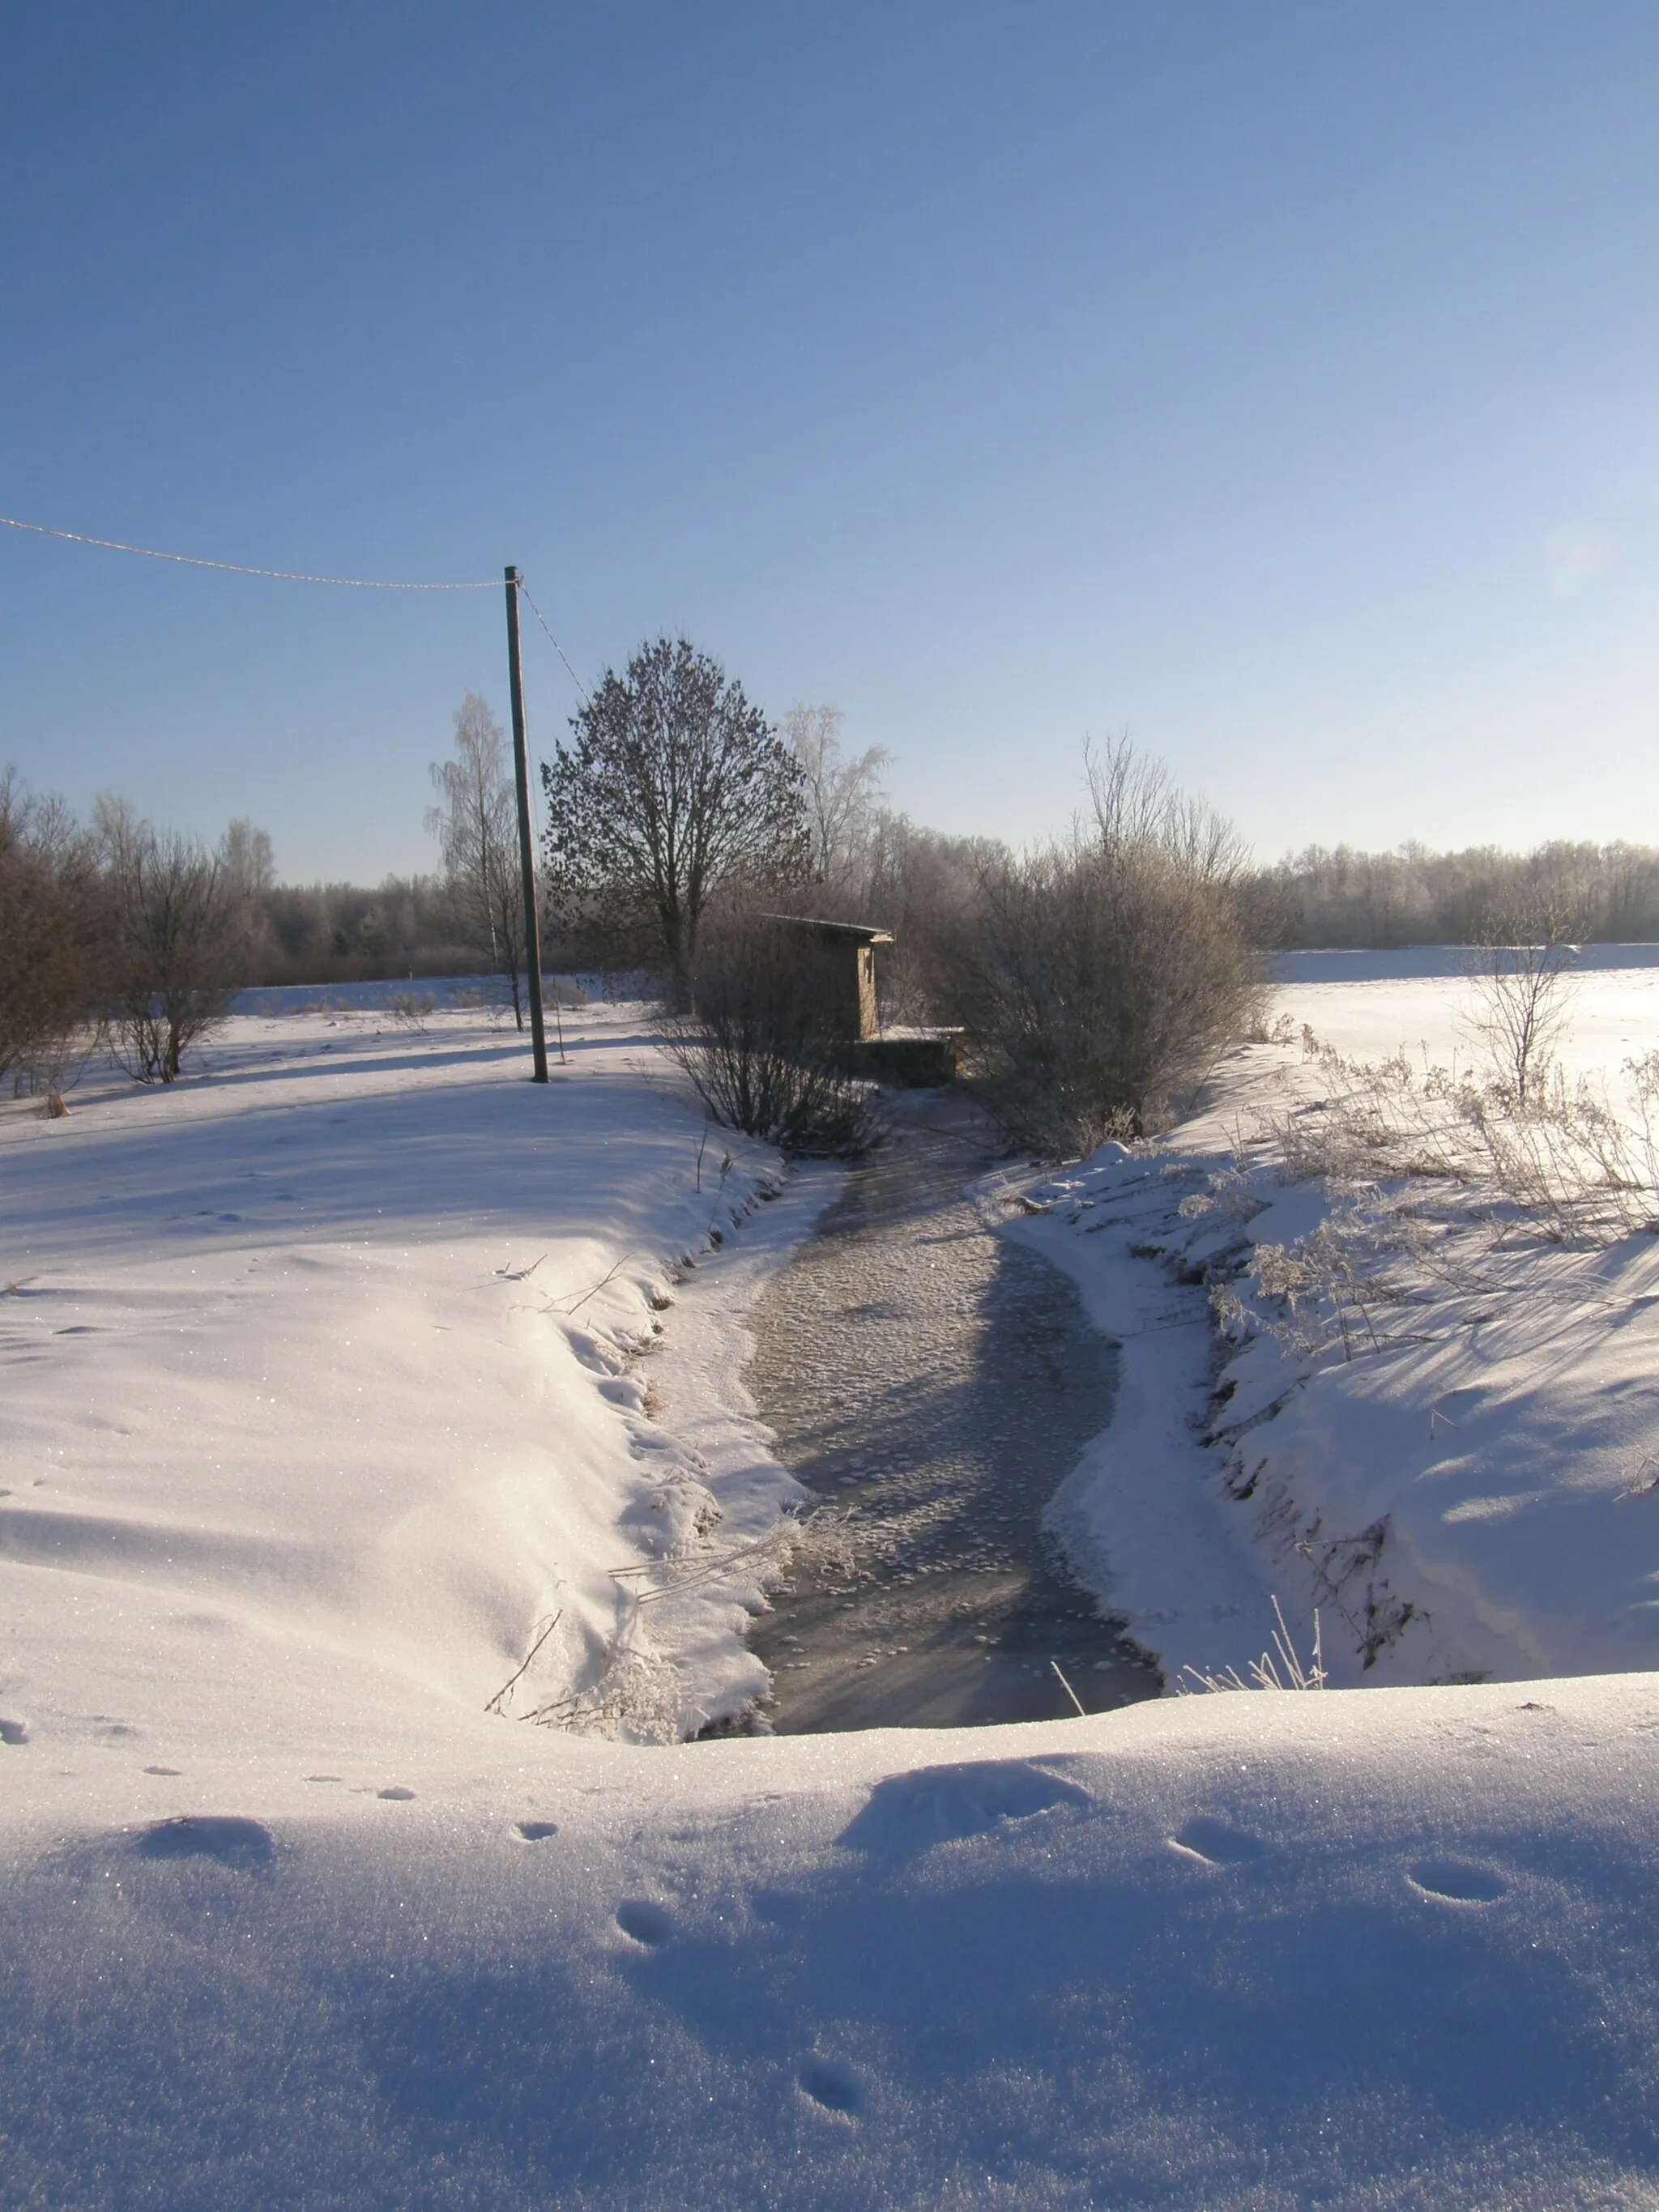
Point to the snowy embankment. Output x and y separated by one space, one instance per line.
322 1393
320 1397
1432 1411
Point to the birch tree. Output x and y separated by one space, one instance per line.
843 796
475 825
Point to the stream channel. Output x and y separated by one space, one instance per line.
936 1382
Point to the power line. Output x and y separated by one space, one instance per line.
291 576
239 569
553 642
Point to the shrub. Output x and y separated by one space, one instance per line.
1524 986
1103 976
50 926
177 942
1581 1158
761 1044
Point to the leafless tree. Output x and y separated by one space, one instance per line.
178 948
924 887
676 790
250 862
1139 810
843 796
1104 973
1523 983
475 824
762 1046
319 933
51 917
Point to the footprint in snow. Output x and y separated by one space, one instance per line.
1215 1843
537 1832
833 2086
398 1793
908 1814
13 1731
229 1838
162 1770
647 1923
1449 1881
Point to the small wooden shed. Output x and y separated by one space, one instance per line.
843 956
845 953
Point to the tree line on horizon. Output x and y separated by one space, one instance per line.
1343 898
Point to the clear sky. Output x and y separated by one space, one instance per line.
1278 384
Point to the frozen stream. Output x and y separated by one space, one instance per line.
941 1382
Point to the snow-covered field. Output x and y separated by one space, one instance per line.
327 1387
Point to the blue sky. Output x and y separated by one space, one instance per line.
1277 385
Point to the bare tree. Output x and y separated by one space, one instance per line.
248 864
176 946
51 929
764 1049
476 824
924 887
675 790
1139 810
1104 973
1523 982
315 933
843 796
1323 897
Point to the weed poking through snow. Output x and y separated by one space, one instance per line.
1265 1673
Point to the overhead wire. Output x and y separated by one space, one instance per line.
553 642
294 576
240 568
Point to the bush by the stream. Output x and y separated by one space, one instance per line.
761 1043
1103 976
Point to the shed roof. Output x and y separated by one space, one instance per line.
856 932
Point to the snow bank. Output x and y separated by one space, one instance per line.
1386 1948
323 1387
1455 1460
1614 1016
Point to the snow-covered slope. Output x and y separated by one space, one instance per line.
319 1388
1446 1442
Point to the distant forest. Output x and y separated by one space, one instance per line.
1595 894
1340 897
338 933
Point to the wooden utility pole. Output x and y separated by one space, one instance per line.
533 933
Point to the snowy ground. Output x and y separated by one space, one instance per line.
1458 1468
326 1385
319 1373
